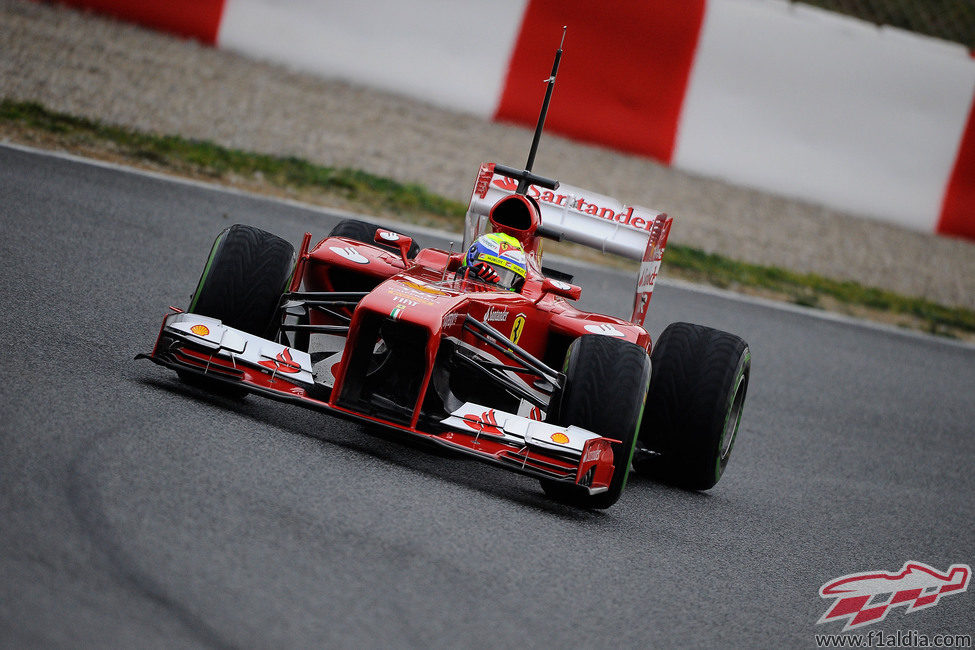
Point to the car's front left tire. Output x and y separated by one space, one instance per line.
605 389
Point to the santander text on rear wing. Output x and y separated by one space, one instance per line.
586 218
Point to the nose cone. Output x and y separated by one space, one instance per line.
412 300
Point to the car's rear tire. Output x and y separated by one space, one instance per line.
365 232
242 282
694 405
605 388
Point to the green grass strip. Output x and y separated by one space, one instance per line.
807 288
414 201
180 153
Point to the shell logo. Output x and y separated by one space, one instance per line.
560 438
200 330
424 288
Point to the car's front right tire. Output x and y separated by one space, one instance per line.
246 273
694 405
363 231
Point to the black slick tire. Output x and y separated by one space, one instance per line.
694 405
605 389
245 275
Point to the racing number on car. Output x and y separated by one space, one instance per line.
516 328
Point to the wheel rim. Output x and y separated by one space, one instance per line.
733 420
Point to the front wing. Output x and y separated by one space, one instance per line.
195 344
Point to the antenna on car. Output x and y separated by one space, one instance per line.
523 185
526 177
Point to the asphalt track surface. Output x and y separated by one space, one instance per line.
137 512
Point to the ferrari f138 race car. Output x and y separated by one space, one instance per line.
366 326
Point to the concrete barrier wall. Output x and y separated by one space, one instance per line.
828 109
453 54
782 97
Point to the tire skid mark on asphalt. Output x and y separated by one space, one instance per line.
85 501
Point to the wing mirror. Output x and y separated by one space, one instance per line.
391 238
559 288
455 261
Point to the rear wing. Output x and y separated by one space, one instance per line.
586 218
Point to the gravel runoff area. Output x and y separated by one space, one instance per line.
94 67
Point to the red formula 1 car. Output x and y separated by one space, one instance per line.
409 339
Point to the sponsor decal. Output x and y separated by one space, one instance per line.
507 184
606 329
423 287
405 301
200 330
493 315
483 183
648 276
517 328
529 411
593 454
558 284
397 311
514 252
350 253
410 294
500 261
560 438
414 291
282 363
490 243
579 204
451 319
388 236
865 598
485 423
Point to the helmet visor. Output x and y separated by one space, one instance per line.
508 279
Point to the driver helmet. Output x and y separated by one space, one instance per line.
504 254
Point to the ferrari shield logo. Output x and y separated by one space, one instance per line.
516 328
